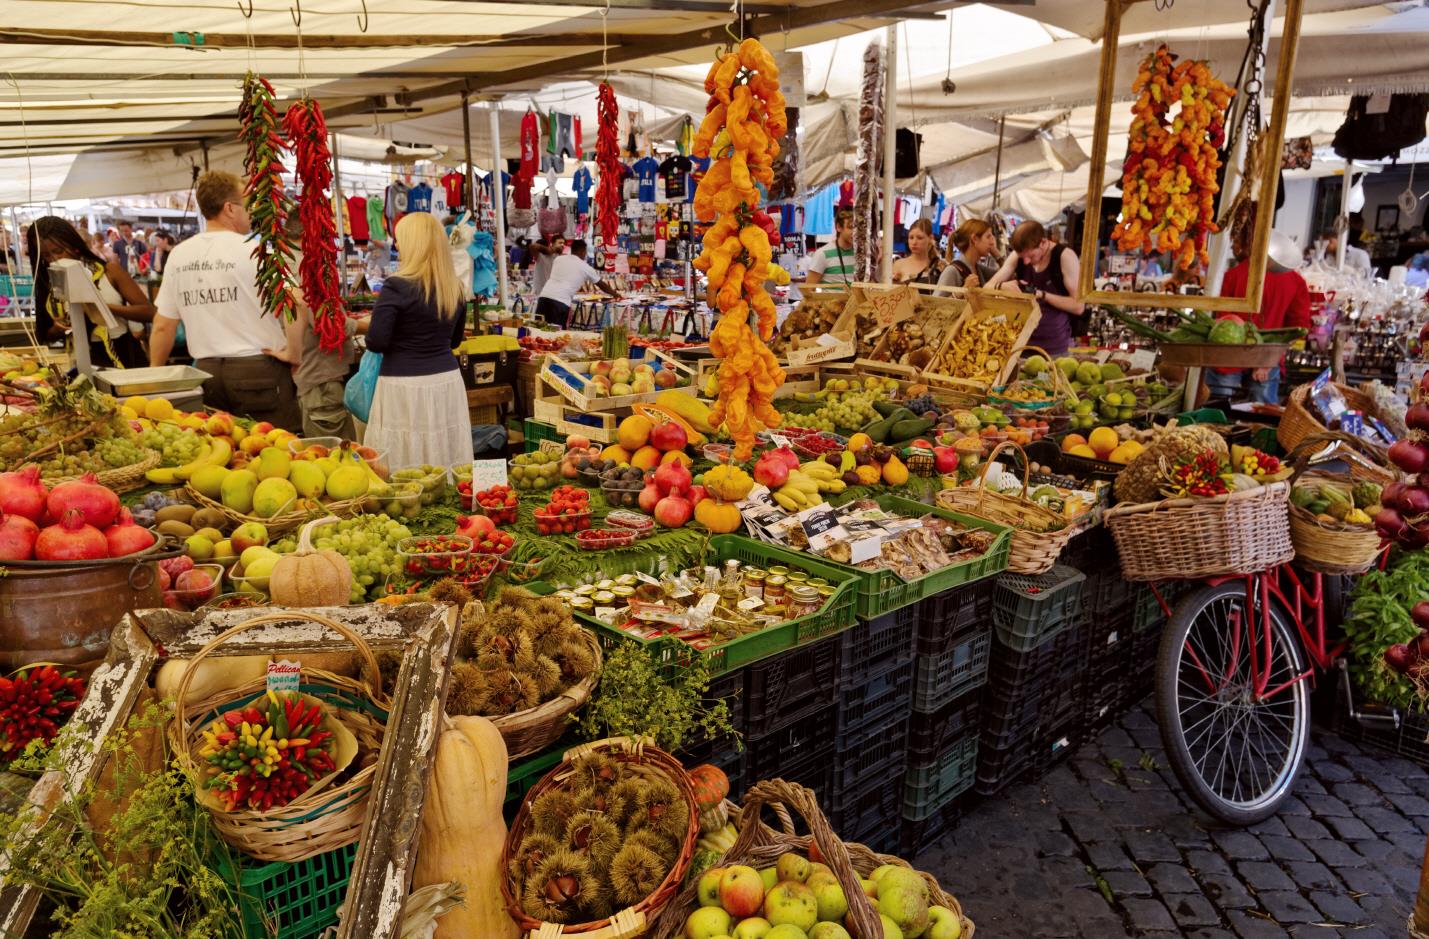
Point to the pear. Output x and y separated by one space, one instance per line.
273 496
274 463
237 490
307 478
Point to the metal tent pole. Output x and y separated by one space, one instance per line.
498 200
337 217
466 136
890 134
1343 241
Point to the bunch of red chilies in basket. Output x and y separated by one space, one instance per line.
607 161
263 758
33 705
267 205
307 132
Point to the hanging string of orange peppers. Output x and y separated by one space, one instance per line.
1168 180
745 119
321 274
267 205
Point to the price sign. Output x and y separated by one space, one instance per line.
780 440
821 526
1143 358
553 447
865 549
284 676
487 473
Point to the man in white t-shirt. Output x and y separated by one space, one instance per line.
569 275
211 286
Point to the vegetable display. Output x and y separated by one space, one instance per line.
1404 517
321 275
607 161
266 202
740 132
33 705
1168 180
264 758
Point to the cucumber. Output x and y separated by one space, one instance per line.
878 430
910 429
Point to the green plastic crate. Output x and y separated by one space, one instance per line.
883 591
1202 416
295 901
536 431
930 787
522 777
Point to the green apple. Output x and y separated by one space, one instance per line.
944 924
707 922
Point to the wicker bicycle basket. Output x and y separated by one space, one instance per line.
1236 533
759 845
1038 533
538 728
332 813
1300 421
120 478
640 757
1332 547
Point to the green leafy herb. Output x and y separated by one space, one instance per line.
634 699
1378 618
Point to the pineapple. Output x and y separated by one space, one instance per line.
1141 480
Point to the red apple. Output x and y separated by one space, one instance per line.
673 511
741 891
668 436
577 442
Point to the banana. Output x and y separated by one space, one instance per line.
802 483
222 452
833 485
191 467
819 470
162 475
786 502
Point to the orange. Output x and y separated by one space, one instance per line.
646 457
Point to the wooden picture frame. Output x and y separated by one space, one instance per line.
1091 235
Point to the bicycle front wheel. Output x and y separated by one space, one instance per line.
1236 752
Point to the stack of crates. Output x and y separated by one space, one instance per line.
725 752
954 636
1033 705
875 686
1108 605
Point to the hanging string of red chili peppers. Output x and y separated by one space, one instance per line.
607 161
267 204
320 267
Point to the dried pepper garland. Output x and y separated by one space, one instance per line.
33 705
1168 180
741 131
264 759
607 161
267 205
321 273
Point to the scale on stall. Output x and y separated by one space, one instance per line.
72 284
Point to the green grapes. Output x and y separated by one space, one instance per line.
368 542
175 444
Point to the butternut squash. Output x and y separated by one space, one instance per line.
219 673
463 830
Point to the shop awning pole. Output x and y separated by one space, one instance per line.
466 136
498 203
1342 243
890 134
338 203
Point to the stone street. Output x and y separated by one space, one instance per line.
1106 845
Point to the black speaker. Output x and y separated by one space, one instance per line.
907 151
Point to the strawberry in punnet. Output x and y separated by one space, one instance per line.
499 503
493 542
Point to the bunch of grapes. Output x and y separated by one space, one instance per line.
119 450
369 542
176 445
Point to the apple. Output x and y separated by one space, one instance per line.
254 444
577 442
755 927
827 930
262 427
791 866
707 922
829 895
219 425
793 903
668 436
770 877
665 378
601 368
786 931
708 887
943 924
816 867
741 891
248 535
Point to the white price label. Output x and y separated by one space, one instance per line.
487 473
780 440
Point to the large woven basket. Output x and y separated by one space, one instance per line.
1038 533
758 845
326 817
639 756
1236 533
283 521
538 728
120 478
1300 421
1336 547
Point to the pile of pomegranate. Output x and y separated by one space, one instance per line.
79 520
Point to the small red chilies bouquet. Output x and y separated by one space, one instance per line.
262 758
34 703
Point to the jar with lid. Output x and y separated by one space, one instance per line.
802 600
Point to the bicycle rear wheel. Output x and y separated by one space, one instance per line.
1237 754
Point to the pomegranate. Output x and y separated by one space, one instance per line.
22 493
673 478
176 566
474 526
668 436
71 540
649 497
673 511
771 470
17 538
125 537
790 458
1408 455
98 504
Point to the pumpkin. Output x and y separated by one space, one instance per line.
310 578
463 830
728 482
711 785
719 517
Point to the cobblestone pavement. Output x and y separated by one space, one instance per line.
1106 845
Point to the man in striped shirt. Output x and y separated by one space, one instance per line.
834 264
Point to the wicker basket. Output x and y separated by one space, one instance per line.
638 756
1336 548
325 818
283 521
1038 533
1299 420
1236 533
759 845
120 478
538 728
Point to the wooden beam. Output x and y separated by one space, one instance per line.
104 37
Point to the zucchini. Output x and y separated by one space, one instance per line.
910 429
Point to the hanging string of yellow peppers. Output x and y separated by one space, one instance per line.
741 129
1168 180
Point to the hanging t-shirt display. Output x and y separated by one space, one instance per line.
698 167
419 198
505 182
629 185
646 169
454 185
395 206
530 145
520 192
675 171
357 218
576 133
582 182
439 202
375 205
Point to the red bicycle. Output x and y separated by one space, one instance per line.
1233 681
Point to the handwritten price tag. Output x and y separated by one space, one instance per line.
487 473
284 676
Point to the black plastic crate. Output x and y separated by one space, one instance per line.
1029 609
813 770
1108 637
943 619
881 839
1106 593
877 701
941 678
873 803
786 749
1146 609
790 686
1004 722
927 787
873 646
997 767
1012 675
930 735
1092 550
916 835
874 753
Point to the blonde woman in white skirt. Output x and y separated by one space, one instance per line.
419 411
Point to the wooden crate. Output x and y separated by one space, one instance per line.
1018 308
571 379
528 385
797 378
597 425
423 634
485 405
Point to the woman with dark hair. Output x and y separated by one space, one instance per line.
51 239
923 264
973 263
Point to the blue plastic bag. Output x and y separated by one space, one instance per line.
357 393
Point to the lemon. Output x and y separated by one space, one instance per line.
136 403
159 409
